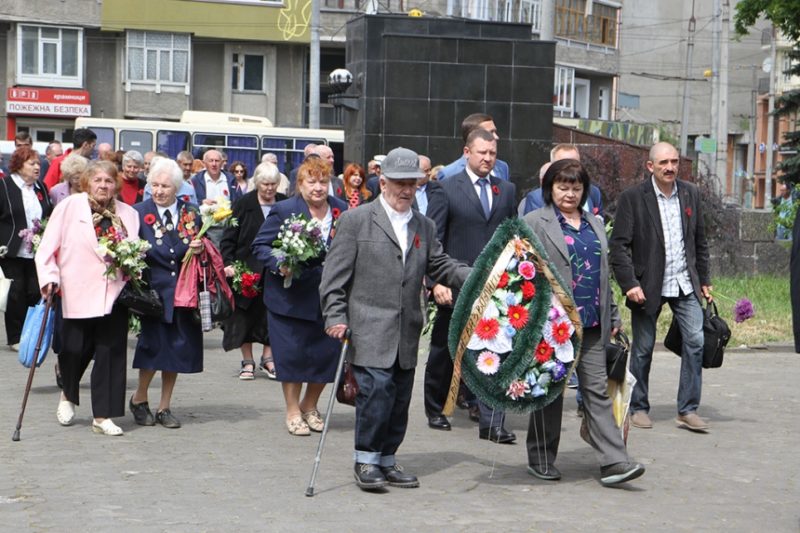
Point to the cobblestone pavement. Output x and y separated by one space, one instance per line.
234 467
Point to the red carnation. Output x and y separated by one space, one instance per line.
338 191
517 316
150 218
39 196
495 190
487 328
595 210
501 284
528 290
225 192
416 240
688 211
185 198
543 352
335 212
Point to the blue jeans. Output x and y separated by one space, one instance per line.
384 395
689 314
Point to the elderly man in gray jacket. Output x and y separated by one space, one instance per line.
384 240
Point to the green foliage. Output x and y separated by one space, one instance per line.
786 217
782 13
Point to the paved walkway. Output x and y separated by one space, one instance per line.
233 466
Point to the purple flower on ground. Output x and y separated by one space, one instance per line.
743 310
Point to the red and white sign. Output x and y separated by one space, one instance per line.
48 102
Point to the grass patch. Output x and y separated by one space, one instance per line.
772 322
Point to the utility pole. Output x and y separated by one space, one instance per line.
751 146
770 122
715 35
686 85
547 21
313 67
722 104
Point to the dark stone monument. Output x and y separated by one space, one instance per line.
415 79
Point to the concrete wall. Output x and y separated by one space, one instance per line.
84 13
104 75
289 85
753 250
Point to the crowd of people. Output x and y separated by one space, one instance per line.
421 227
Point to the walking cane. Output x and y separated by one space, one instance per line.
48 303
336 380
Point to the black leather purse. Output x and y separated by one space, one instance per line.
221 306
143 301
716 335
617 357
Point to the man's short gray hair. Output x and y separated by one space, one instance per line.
160 166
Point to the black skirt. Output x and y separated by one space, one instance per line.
246 325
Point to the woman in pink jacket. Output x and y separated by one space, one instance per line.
94 327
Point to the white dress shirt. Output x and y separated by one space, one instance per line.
474 177
399 225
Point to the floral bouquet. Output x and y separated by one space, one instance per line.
299 240
31 237
122 255
514 326
216 214
245 281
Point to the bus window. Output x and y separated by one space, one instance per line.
242 148
172 142
141 141
105 135
289 150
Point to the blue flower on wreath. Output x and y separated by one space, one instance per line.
512 299
537 391
509 330
512 265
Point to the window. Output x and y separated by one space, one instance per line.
564 91
248 73
598 26
242 148
50 55
288 150
172 142
158 57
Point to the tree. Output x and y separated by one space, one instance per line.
782 13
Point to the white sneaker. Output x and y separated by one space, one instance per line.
106 427
65 413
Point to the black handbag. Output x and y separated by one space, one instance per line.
142 301
221 306
716 335
617 357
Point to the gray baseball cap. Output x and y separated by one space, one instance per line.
401 164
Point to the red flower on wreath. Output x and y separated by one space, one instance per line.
501 284
416 240
560 331
543 352
495 190
335 212
528 290
39 196
517 316
150 219
688 211
487 328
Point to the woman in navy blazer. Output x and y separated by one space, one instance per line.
172 344
302 351
23 198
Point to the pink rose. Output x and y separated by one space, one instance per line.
527 270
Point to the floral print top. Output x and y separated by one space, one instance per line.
583 248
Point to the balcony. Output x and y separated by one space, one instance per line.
519 11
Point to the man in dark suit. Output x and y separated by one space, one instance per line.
425 187
471 207
388 236
659 254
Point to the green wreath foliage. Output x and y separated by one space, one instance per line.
491 389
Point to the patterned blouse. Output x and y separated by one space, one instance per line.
584 250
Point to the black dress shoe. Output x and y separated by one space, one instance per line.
141 413
439 422
369 477
397 478
545 472
497 434
474 413
167 419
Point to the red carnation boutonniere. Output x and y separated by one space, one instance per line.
185 198
338 191
39 196
150 219
495 190
335 212
416 240
688 212
225 192
595 210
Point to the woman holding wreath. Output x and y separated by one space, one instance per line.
249 321
303 352
173 343
577 247
94 325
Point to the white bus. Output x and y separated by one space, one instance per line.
243 138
